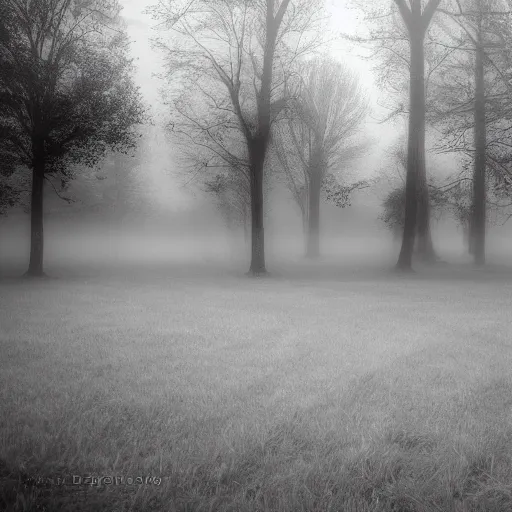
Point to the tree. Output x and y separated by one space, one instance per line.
233 198
230 189
66 93
232 58
457 195
399 34
417 21
393 204
124 184
482 103
320 137
213 158
9 195
393 211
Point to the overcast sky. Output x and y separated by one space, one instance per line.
139 26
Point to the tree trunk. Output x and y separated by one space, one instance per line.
479 199
313 244
247 234
257 157
466 238
423 233
246 229
257 144
470 236
305 227
35 267
415 147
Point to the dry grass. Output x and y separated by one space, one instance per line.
285 394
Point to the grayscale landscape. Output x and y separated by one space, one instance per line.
265 266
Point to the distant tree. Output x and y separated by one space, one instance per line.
66 93
9 195
393 208
215 161
114 188
124 187
393 204
232 198
393 211
233 58
230 190
319 139
458 196
459 202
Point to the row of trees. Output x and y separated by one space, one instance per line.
252 94
459 83
252 98
310 148
67 102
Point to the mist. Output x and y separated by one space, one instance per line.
197 240
255 255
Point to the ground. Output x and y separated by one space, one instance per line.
322 387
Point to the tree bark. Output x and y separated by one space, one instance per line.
246 228
305 228
35 267
479 192
417 23
426 250
466 238
415 147
313 244
257 158
257 144
470 237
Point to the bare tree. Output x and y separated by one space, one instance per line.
213 157
321 135
293 163
232 58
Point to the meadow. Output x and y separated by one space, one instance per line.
330 386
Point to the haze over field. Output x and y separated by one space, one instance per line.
350 237
264 266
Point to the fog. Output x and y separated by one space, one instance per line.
197 242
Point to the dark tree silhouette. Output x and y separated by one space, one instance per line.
66 92
417 21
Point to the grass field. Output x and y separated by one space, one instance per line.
318 389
